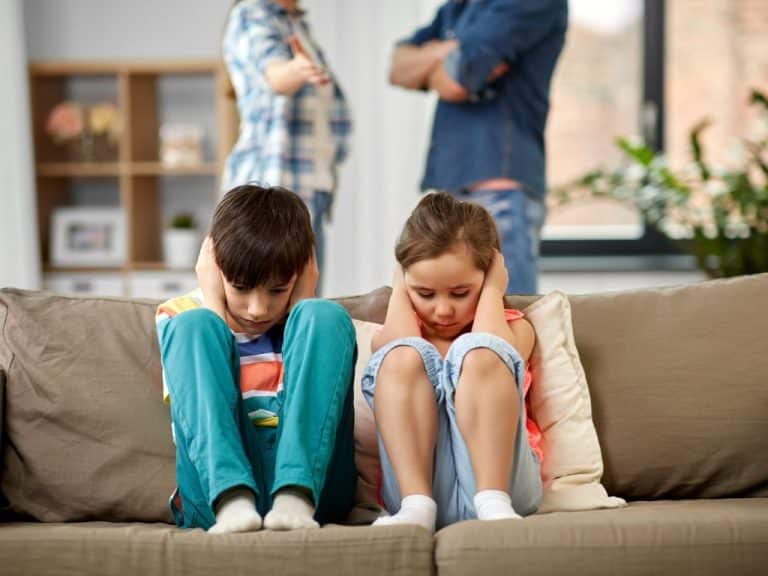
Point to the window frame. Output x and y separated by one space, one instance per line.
651 242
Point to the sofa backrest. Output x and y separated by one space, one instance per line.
88 436
679 385
3 502
678 379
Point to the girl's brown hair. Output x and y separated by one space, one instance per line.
438 222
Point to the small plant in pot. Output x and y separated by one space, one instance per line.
181 241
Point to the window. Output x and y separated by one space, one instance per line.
608 84
710 72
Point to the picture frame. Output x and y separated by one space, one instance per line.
88 237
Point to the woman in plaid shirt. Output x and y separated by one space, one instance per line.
294 120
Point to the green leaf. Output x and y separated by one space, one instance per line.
696 149
640 153
758 97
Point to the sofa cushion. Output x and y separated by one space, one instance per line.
559 400
684 537
371 307
366 439
3 501
87 434
103 549
679 384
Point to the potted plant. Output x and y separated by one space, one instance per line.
181 241
720 215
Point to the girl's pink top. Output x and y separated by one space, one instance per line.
534 433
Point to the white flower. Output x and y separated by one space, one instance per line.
715 188
635 173
735 155
759 130
659 161
690 171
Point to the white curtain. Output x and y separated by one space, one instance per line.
19 253
380 181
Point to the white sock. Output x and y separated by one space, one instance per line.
414 509
494 505
291 509
236 512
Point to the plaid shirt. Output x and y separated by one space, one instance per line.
276 131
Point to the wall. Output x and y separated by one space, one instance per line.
71 29
18 241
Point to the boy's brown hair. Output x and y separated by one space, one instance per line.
261 236
438 222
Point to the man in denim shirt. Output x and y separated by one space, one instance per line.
490 62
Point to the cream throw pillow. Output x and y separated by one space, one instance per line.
366 440
559 401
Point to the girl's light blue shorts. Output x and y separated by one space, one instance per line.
454 480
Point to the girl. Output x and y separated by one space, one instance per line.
448 376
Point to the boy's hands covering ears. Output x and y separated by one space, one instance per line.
306 283
210 279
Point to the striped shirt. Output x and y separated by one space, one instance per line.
261 362
293 141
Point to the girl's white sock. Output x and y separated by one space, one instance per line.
236 512
414 509
494 505
292 508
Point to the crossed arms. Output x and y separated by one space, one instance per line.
422 67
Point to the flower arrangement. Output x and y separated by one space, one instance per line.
103 119
718 214
66 121
72 123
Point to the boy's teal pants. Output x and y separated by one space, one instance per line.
217 447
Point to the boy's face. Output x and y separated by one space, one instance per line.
256 310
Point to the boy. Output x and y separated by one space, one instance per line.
259 376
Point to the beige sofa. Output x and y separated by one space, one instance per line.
679 385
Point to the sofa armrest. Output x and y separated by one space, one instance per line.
3 501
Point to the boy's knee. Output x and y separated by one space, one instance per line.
199 321
324 313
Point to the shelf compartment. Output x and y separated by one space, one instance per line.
47 90
159 169
78 169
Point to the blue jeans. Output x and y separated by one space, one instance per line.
453 483
217 446
519 219
320 211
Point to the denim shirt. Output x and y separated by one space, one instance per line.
499 131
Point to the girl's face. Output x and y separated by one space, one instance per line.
445 291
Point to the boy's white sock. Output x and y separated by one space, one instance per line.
494 505
291 509
414 509
236 512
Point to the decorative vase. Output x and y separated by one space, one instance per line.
180 247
